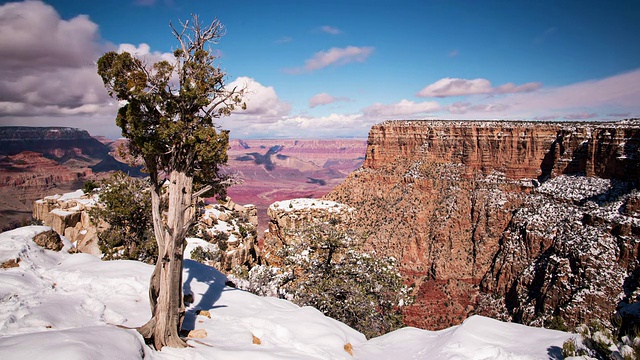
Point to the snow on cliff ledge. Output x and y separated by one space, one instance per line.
304 203
66 306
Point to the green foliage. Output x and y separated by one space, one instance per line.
204 256
169 122
570 348
556 323
89 186
125 206
598 341
168 114
219 238
240 271
329 272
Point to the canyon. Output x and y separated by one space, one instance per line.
529 222
282 169
523 221
43 161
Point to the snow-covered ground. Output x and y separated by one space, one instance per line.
75 306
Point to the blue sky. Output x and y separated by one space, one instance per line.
334 68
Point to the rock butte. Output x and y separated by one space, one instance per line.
482 217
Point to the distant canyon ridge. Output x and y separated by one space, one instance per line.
40 161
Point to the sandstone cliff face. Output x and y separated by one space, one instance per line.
444 196
569 251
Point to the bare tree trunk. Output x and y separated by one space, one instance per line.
165 288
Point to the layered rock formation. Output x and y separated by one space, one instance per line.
68 215
41 161
275 170
289 217
455 201
60 143
239 244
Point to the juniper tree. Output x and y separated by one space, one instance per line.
168 116
125 205
327 269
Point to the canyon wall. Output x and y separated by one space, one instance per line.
483 216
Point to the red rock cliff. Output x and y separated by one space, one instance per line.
441 195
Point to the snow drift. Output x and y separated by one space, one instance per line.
75 306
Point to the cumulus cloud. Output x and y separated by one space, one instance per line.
447 87
330 126
47 66
615 95
263 104
335 57
34 36
144 52
403 109
330 30
324 99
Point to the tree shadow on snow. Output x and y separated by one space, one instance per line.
555 353
206 275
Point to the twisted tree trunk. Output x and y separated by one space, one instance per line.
165 288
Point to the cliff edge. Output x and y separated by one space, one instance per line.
525 221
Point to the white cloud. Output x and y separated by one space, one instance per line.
330 126
330 30
47 69
324 99
447 87
616 94
144 51
34 36
402 109
334 56
263 104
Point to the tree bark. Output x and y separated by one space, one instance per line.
165 288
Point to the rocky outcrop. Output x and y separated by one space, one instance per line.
448 198
49 240
68 215
517 149
289 217
232 229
